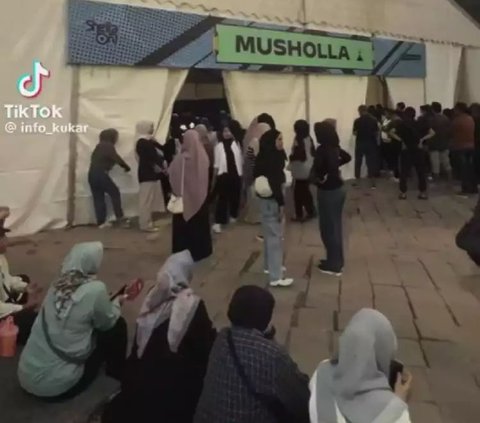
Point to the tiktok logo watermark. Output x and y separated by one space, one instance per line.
30 86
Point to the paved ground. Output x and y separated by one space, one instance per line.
401 259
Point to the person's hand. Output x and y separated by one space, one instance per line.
403 385
122 299
34 289
33 302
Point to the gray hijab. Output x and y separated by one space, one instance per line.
358 381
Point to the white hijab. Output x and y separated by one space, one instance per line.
170 299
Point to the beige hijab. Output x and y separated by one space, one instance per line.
253 135
205 140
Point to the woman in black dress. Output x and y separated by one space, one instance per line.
189 180
164 374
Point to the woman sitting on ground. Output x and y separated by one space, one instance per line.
164 373
250 378
18 297
78 330
355 387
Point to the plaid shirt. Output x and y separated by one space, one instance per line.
226 399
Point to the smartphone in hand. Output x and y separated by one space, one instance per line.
396 367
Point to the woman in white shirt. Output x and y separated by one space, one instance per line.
228 176
355 387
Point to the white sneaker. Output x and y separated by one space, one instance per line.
284 269
105 225
233 220
217 228
281 283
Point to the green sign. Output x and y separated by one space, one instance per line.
253 46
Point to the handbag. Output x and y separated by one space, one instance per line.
468 239
273 405
175 204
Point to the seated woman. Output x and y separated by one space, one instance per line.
18 297
250 378
355 387
165 372
78 330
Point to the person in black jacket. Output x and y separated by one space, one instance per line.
329 157
151 166
103 158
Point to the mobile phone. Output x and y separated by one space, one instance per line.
396 367
120 292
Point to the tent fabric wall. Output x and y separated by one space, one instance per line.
33 166
336 97
432 20
443 62
410 91
119 98
281 95
470 76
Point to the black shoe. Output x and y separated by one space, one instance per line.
324 268
402 196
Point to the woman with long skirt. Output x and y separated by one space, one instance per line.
189 180
329 157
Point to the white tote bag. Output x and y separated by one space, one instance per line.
175 205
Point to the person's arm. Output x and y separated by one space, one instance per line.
430 135
394 135
105 312
355 127
112 153
7 308
291 387
344 157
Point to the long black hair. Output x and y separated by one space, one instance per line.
302 132
326 135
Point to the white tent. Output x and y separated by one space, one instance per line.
37 178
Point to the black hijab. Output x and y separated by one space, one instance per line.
327 136
270 161
109 135
268 119
302 132
251 307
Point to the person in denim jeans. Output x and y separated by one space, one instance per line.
269 167
331 195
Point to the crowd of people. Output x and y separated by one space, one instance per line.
439 143
179 368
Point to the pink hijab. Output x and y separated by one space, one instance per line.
191 164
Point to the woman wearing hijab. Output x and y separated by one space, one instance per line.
151 165
237 131
301 160
165 371
251 145
355 387
326 175
270 172
207 144
268 119
251 378
103 158
228 183
189 180
78 330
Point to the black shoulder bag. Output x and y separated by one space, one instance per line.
273 405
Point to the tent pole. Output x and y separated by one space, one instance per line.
72 150
306 76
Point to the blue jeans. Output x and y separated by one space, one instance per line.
272 233
101 184
330 210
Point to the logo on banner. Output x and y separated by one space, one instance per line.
104 32
31 85
246 45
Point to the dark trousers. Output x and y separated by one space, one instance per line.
413 159
330 210
228 198
391 155
303 199
370 152
111 350
465 161
100 185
